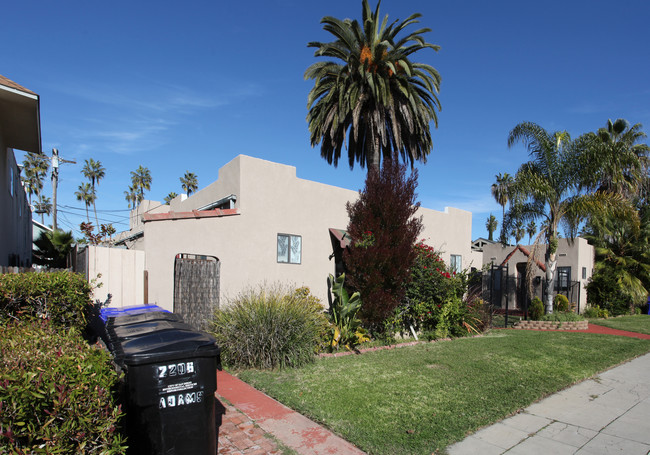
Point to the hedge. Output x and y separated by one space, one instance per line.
62 297
55 393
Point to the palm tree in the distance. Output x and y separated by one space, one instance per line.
94 171
85 194
531 229
491 226
370 93
189 183
169 197
141 180
500 192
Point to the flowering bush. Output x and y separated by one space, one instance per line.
433 301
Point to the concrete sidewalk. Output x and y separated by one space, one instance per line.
607 414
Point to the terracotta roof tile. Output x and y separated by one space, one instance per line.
526 253
194 214
11 84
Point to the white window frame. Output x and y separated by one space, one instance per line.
456 262
291 256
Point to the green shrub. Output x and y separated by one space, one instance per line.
269 328
536 309
346 327
595 311
55 393
62 297
564 316
560 303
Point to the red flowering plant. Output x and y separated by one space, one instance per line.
433 287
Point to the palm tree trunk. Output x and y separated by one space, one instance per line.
551 265
96 219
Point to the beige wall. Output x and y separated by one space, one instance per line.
120 273
577 255
271 199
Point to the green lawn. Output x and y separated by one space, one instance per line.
417 400
638 323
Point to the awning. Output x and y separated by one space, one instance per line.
342 236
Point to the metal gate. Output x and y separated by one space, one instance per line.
196 288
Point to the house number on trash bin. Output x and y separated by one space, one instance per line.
181 399
175 369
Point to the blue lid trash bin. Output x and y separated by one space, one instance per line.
169 385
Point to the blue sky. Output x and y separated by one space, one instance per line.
187 86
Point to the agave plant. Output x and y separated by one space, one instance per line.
342 314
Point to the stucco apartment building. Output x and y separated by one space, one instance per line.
262 224
19 129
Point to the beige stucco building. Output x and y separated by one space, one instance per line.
263 224
19 129
575 265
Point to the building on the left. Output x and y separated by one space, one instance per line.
20 129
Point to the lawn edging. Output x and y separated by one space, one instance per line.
552 325
392 346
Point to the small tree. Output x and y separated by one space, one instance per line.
382 230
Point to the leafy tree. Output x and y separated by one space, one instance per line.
382 231
622 273
141 180
52 248
371 92
501 194
85 194
189 183
169 197
547 188
491 225
94 171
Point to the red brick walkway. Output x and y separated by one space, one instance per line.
238 435
593 328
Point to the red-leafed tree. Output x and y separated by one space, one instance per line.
383 230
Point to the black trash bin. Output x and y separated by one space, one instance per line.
170 380
120 333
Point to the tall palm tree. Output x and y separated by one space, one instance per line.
94 171
501 190
371 92
85 194
491 225
35 167
531 229
141 179
547 188
615 160
189 183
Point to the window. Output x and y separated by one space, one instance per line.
289 248
563 278
456 263
584 273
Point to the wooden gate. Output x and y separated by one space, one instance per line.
196 288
